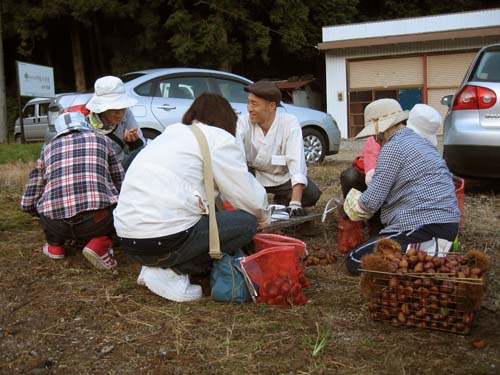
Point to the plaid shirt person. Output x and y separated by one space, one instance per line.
412 184
73 175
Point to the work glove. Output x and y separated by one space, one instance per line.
295 209
352 207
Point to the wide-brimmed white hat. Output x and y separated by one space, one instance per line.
67 122
109 93
381 115
425 121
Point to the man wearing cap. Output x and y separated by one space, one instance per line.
73 190
411 184
109 115
273 146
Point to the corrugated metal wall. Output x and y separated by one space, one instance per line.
386 73
444 75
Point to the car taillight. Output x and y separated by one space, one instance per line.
474 97
77 108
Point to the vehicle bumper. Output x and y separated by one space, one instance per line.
473 161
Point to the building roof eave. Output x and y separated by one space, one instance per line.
418 37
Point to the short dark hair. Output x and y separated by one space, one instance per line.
213 110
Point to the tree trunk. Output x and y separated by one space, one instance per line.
3 99
78 66
99 50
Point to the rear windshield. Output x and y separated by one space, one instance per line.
130 76
488 67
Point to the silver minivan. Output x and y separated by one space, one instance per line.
35 121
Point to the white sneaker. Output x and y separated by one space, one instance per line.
167 284
140 278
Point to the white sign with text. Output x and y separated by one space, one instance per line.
35 80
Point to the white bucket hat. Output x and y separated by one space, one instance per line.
70 121
381 115
109 94
425 121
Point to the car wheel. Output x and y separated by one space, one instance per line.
17 139
150 134
314 145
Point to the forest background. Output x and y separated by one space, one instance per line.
275 39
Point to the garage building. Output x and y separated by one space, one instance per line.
413 60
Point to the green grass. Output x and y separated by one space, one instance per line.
19 152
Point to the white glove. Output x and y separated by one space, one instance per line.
369 176
352 207
295 209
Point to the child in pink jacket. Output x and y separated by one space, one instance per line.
359 175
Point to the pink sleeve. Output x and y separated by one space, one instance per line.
370 153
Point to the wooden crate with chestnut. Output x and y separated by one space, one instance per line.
416 289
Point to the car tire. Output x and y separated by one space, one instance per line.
17 139
314 145
150 134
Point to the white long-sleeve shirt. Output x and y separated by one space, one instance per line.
277 156
164 193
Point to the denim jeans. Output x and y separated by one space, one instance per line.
448 231
83 226
236 229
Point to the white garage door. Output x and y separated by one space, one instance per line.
444 75
401 72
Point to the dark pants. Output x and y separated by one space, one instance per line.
448 231
128 159
236 229
351 178
83 226
283 193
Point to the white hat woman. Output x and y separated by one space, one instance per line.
110 115
425 121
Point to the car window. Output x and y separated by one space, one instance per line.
29 111
488 68
231 90
145 89
181 87
43 109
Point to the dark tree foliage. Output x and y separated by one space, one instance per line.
256 38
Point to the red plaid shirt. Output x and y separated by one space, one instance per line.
75 173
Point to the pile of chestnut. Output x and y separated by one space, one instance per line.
319 259
425 291
281 290
416 261
423 302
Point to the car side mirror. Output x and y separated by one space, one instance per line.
447 100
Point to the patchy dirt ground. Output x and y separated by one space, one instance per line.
64 317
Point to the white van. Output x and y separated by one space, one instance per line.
35 120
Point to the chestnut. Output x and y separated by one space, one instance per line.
419 267
393 282
423 292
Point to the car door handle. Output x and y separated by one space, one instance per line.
167 107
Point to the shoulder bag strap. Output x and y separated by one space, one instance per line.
209 186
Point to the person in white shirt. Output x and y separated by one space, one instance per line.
161 217
273 146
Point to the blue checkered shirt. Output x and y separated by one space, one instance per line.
412 185
75 173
